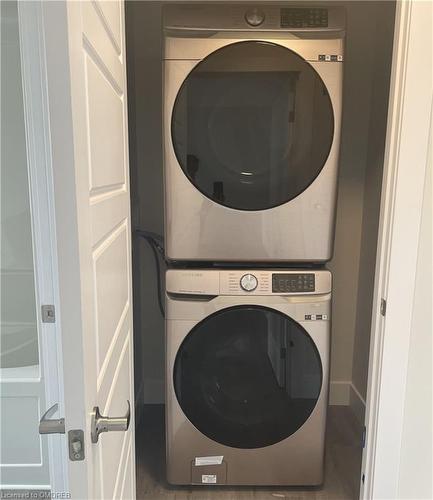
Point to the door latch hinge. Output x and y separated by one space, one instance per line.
48 313
383 307
364 433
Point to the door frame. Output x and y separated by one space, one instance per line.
406 152
40 178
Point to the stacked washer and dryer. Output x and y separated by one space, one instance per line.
252 113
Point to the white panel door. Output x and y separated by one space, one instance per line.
85 52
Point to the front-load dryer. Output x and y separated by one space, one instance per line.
252 111
247 361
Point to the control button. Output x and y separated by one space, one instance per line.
249 282
254 17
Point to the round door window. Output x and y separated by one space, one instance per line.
252 125
247 376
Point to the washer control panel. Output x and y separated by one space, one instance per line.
277 282
249 282
293 282
256 282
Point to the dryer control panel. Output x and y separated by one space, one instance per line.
304 17
244 17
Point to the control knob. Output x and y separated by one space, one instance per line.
249 282
254 16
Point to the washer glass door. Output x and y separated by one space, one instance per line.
247 376
252 125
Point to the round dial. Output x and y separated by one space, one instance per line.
249 282
254 17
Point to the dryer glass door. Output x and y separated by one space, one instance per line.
248 376
252 125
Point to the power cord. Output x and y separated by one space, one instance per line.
156 244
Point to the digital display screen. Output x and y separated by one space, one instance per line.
304 18
291 282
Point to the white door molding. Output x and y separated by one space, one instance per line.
401 207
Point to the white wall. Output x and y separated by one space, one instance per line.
416 466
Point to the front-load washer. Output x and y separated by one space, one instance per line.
247 360
252 108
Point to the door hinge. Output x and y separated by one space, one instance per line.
363 478
363 436
383 307
48 313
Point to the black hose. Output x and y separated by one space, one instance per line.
155 243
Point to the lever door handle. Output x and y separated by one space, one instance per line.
99 423
49 425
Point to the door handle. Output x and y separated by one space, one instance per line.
99 423
49 425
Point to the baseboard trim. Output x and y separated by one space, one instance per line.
357 404
341 393
345 393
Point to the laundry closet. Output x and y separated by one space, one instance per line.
291 252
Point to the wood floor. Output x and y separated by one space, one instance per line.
343 464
